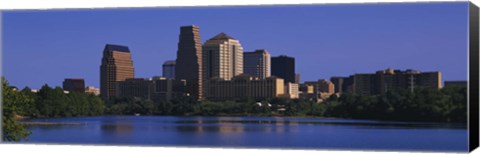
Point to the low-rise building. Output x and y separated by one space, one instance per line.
243 87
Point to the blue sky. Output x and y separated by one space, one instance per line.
326 40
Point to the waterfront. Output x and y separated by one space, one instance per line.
251 132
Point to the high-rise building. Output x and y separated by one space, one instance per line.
189 60
245 86
168 69
117 65
257 63
74 85
284 67
222 57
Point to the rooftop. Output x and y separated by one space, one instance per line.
222 36
113 47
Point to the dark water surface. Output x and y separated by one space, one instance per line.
252 132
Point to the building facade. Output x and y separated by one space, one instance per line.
74 85
222 57
284 67
166 89
117 65
135 87
292 90
168 69
325 86
257 63
389 79
244 86
189 60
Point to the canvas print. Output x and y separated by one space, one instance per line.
379 76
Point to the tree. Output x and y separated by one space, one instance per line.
11 129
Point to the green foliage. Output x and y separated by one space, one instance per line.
11 104
445 105
55 103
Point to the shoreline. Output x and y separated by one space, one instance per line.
32 123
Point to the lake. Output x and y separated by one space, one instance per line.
252 132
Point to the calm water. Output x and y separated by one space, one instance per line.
252 132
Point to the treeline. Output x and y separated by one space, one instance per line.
427 105
446 105
54 102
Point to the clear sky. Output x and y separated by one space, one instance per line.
326 40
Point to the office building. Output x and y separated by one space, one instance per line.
257 63
244 87
292 90
74 85
166 89
326 87
284 67
135 88
189 60
168 69
338 82
222 57
389 79
117 65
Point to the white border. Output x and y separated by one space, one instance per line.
87 4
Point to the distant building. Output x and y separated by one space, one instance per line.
455 83
168 69
166 89
189 63
117 65
325 86
284 67
243 87
155 88
297 78
92 90
291 90
389 79
306 91
135 87
222 57
257 63
74 85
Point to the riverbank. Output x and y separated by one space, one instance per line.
30 123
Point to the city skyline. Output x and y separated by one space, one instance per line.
329 63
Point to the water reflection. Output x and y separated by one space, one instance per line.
117 128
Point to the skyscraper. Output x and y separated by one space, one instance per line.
117 65
222 57
169 69
284 67
257 63
189 60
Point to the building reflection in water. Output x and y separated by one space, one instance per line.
119 128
